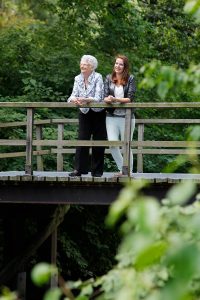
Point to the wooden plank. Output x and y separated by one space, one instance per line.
168 121
4 178
50 178
65 121
12 124
160 144
63 179
100 143
23 123
72 150
27 178
95 104
75 179
123 179
38 178
75 122
111 179
15 178
64 151
65 176
167 151
98 179
160 180
23 153
75 143
7 142
138 151
85 178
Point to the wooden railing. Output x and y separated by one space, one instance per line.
61 147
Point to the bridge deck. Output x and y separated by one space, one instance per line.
107 177
59 188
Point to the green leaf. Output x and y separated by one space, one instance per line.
41 273
182 192
162 89
151 255
53 294
33 82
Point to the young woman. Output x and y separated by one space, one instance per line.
89 85
119 87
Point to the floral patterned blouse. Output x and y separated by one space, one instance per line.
95 89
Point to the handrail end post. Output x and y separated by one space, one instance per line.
28 170
126 171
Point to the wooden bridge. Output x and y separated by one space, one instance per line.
35 185
35 144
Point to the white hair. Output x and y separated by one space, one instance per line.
90 60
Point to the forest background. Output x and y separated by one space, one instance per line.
41 43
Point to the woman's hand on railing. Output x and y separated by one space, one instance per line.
109 99
80 101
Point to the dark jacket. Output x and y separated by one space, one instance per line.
129 89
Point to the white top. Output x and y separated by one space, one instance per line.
94 90
119 93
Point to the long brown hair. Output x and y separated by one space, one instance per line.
125 74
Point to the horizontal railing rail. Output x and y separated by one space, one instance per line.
158 105
60 147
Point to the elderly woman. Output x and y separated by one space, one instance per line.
119 87
88 85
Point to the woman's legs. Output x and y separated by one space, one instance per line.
115 129
91 124
122 131
113 133
98 133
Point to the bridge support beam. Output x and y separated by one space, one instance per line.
17 263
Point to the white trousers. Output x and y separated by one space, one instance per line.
115 131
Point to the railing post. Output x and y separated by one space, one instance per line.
127 143
40 166
140 155
29 141
21 285
60 155
54 278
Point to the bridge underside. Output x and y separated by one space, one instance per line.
59 188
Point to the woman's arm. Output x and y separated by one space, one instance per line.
99 87
75 92
107 88
131 88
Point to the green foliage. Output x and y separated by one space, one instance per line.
158 257
53 294
41 45
82 234
167 78
6 294
193 7
42 273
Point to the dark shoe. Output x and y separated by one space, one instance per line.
74 173
96 174
77 173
